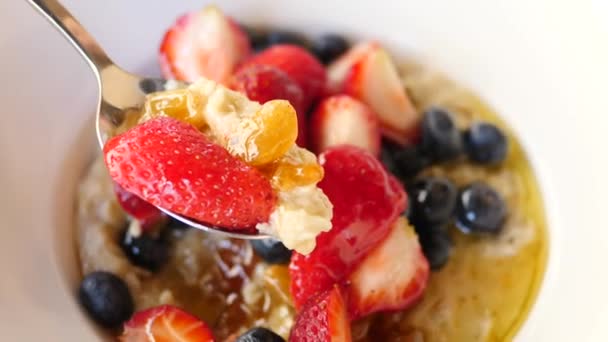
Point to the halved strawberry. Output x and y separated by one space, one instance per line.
392 277
172 165
366 200
203 44
342 119
262 83
368 73
322 319
165 323
136 207
299 64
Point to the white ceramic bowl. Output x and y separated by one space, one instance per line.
543 64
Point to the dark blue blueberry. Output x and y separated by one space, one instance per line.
286 37
480 209
403 162
258 38
260 335
432 201
436 246
106 298
441 139
328 47
272 251
145 251
485 143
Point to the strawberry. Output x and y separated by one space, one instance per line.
322 319
366 200
165 323
368 73
392 277
144 212
263 83
203 44
172 165
299 64
342 119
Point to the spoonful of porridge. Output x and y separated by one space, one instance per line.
195 148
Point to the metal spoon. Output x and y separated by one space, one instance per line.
120 93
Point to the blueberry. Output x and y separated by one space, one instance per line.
480 209
485 143
432 201
258 38
286 37
441 139
328 47
403 162
106 298
436 246
272 251
145 251
259 335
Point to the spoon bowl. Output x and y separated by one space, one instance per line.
120 93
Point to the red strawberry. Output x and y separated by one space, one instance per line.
263 83
342 119
299 64
165 323
368 74
144 212
203 44
366 199
392 277
172 165
322 319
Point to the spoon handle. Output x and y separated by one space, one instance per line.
71 29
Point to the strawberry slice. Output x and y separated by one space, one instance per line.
203 44
322 319
366 199
144 212
263 83
368 73
304 68
172 165
342 119
165 323
392 277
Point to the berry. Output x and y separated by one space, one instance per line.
172 165
480 209
392 277
432 201
485 143
404 162
367 73
145 251
106 298
298 64
285 37
329 47
260 334
441 139
263 83
147 214
342 119
322 319
165 323
437 246
187 57
257 37
366 200
272 251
